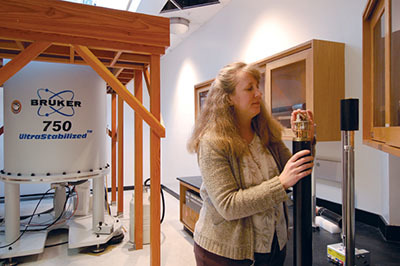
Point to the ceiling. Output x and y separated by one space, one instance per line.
197 16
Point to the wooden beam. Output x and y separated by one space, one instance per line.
45 57
126 81
131 71
60 49
21 60
138 87
155 147
118 71
115 59
20 45
113 148
129 57
9 45
71 55
69 20
125 75
120 205
119 88
147 79
78 40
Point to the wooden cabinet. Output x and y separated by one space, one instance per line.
308 76
381 75
189 211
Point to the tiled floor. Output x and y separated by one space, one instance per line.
177 244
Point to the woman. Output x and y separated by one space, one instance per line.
246 170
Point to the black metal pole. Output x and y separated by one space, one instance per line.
302 216
348 124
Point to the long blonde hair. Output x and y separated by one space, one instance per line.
218 117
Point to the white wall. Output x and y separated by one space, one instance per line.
251 30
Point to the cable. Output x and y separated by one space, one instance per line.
23 232
63 212
162 199
54 222
76 183
107 205
163 204
46 226
54 245
27 216
75 207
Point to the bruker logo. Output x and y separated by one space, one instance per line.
49 102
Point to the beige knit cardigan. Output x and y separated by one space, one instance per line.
224 226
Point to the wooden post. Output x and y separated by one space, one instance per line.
155 189
157 131
138 164
113 147
120 205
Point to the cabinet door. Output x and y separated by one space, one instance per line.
385 78
394 33
288 86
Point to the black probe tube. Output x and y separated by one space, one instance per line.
302 216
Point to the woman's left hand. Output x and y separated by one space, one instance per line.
310 118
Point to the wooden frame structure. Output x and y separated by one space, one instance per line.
119 46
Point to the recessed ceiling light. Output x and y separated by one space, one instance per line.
179 25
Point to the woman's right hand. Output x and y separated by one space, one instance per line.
296 168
